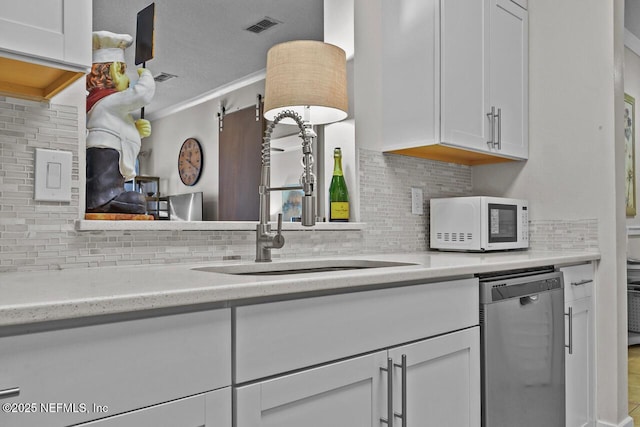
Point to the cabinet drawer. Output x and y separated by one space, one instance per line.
283 336
119 366
205 410
578 281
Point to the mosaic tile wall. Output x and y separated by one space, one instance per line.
42 236
567 235
35 234
385 197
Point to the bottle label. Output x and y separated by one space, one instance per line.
339 210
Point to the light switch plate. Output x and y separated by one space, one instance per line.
53 175
416 201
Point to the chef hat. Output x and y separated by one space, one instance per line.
109 47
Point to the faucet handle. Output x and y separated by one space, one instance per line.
278 239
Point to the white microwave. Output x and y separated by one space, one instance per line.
479 223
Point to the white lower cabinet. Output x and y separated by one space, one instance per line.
279 337
579 337
442 380
342 394
211 409
68 376
329 360
434 382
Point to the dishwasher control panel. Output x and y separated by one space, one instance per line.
501 288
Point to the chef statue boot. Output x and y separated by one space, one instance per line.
105 185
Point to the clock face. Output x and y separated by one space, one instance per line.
190 161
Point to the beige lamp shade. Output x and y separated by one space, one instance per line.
306 73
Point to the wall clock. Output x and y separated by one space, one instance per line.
190 161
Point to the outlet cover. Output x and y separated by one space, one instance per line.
53 175
417 201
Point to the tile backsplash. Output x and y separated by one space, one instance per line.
564 235
385 182
42 235
35 235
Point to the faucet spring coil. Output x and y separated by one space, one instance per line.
266 141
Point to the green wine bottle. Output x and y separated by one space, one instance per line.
338 194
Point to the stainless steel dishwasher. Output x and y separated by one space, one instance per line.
522 349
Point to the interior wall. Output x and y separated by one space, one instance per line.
75 96
619 299
160 150
574 152
199 122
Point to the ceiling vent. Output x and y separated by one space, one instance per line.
163 77
263 25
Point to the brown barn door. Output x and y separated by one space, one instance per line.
240 141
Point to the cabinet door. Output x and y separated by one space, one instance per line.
464 81
509 88
410 89
579 359
206 410
344 394
443 380
59 30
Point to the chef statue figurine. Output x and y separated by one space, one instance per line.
113 137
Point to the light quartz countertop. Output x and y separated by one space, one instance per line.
29 297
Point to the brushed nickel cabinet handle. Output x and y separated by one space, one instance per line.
582 282
492 121
389 370
499 129
10 392
403 414
570 314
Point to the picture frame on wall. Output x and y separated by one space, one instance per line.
630 153
292 204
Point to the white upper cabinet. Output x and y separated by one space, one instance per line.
45 45
410 95
454 79
509 71
463 78
56 30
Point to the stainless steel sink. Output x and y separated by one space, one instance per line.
299 267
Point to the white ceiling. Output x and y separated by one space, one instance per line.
204 42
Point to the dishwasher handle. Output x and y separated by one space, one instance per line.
529 299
